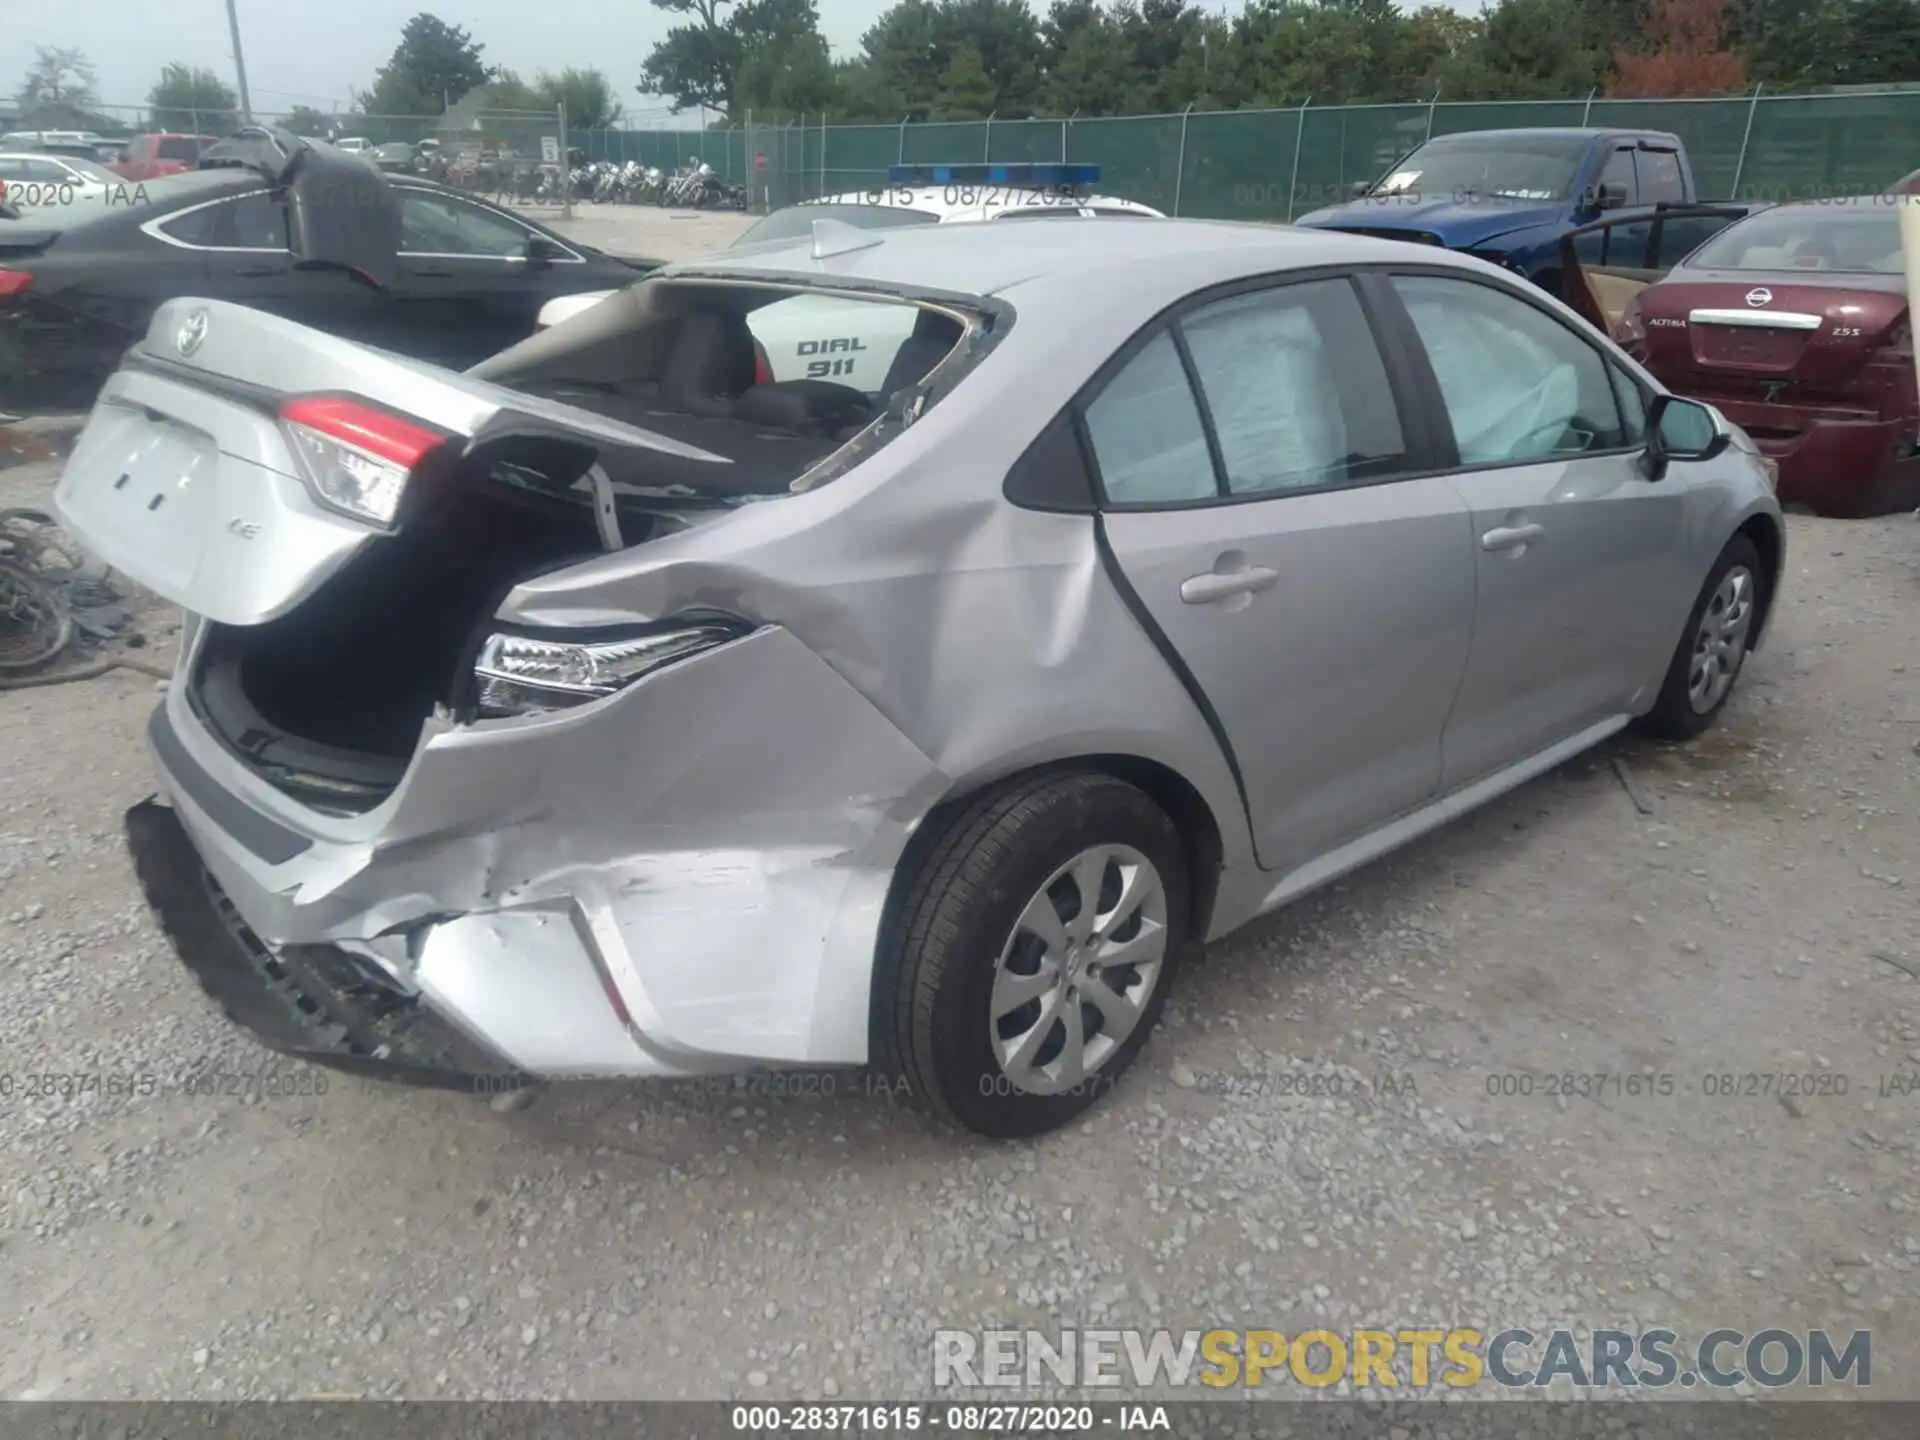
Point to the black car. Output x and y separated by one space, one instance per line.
292 227
396 158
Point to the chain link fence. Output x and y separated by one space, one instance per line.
1279 164
1239 165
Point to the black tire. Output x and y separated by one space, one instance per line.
941 949
1675 714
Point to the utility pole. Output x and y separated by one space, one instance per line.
239 64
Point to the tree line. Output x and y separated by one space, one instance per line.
968 59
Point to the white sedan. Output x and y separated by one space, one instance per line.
853 342
32 183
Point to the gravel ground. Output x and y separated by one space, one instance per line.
703 1241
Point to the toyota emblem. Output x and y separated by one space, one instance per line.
1760 296
193 333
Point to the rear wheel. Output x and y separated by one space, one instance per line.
1033 951
1713 647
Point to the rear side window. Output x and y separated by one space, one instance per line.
252 222
179 147
1147 434
1518 385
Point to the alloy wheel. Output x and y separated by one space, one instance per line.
1720 643
1075 976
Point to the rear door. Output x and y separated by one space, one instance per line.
241 241
1262 499
1606 264
1581 584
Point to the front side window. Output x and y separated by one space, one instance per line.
1296 388
1619 171
1518 385
441 225
1146 431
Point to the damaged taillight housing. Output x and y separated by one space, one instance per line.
356 457
529 674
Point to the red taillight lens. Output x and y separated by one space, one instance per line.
357 456
15 282
1631 328
762 367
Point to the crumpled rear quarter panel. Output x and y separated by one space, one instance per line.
725 829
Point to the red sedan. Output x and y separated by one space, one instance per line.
1793 323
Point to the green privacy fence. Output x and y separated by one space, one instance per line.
1275 164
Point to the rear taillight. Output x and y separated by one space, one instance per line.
762 367
15 282
356 456
1631 329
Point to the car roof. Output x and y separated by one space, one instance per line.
1561 132
989 259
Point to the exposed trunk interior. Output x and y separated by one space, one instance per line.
327 701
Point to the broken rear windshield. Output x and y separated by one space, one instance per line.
797 220
784 386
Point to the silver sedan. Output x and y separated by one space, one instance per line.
619 708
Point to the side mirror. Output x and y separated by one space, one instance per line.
542 251
1611 196
1680 429
1359 189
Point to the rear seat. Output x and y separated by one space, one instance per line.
706 396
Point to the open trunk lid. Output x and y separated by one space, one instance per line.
196 474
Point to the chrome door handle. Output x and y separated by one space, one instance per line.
1205 589
1510 537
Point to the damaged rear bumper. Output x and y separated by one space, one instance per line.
677 880
313 1002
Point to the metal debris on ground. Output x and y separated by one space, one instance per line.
48 596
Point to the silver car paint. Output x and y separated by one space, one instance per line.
719 839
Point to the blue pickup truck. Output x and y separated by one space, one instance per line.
1510 196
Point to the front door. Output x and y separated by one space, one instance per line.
1575 547
1260 500
465 288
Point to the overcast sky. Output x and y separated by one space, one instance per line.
303 52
